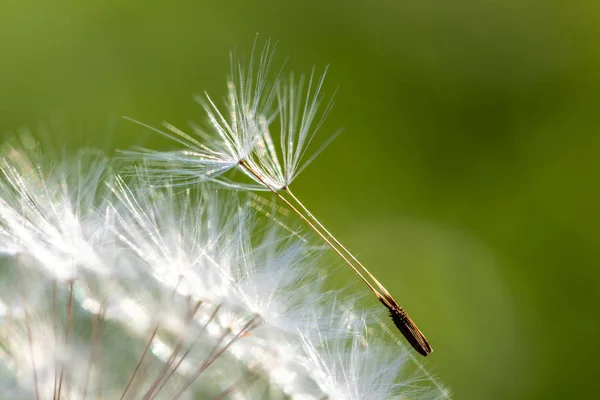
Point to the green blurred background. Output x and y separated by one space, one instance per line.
466 177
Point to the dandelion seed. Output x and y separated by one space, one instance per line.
241 138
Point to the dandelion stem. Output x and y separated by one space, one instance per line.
250 325
183 357
154 389
137 367
311 225
337 242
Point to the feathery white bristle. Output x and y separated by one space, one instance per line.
241 131
349 369
54 219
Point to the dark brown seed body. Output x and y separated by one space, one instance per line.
408 328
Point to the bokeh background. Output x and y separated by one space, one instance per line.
466 177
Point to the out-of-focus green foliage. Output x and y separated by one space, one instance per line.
466 177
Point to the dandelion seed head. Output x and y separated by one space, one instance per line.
148 285
215 298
